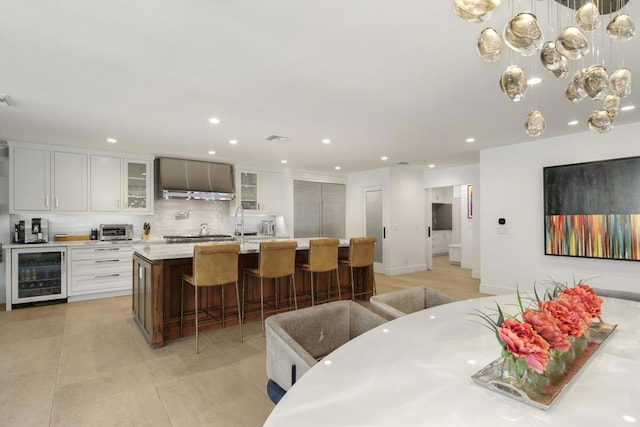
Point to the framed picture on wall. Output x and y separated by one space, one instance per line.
469 201
592 210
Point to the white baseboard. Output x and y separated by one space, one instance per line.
494 290
405 269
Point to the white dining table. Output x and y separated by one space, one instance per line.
416 371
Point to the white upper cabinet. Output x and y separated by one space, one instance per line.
71 182
260 191
31 177
106 183
138 186
45 179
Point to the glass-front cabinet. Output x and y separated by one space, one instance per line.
137 185
38 274
260 191
249 190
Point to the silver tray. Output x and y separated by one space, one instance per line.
490 376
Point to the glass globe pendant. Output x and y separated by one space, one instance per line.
600 121
621 28
489 45
572 43
513 83
535 124
620 82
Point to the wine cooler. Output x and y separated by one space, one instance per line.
38 274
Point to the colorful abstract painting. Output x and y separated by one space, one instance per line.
593 209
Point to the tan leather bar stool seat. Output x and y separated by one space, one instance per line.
323 257
214 264
275 260
361 251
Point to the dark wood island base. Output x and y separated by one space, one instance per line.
157 288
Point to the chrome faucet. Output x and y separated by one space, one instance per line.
239 208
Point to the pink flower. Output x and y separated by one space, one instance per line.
522 341
545 325
568 314
592 302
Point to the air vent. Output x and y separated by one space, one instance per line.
403 163
277 138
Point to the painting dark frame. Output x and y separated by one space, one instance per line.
592 209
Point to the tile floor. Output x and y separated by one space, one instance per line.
87 364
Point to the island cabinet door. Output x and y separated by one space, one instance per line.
142 296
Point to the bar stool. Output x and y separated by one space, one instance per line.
361 250
275 260
323 257
214 264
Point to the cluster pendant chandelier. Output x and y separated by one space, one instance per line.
575 42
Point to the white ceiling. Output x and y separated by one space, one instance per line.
378 77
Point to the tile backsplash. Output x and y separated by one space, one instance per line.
171 217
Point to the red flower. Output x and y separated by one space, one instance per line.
568 314
592 302
522 341
545 325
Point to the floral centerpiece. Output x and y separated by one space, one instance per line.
546 340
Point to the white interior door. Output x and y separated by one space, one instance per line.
374 225
428 222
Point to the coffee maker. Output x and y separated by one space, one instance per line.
34 230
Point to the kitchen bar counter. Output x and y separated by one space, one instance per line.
157 278
185 250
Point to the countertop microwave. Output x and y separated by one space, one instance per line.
116 231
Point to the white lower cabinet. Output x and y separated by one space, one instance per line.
100 269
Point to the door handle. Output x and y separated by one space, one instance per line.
384 232
429 231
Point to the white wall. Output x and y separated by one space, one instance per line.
406 230
404 215
470 232
511 185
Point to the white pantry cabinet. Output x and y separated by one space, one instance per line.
260 191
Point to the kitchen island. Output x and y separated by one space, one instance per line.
157 272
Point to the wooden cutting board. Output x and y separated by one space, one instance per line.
70 237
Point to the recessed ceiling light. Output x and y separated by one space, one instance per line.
284 162
214 120
534 81
326 141
112 140
432 165
384 158
470 140
573 123
211 152
337 168
233 141
628 108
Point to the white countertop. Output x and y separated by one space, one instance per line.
185 250
416 371
81 243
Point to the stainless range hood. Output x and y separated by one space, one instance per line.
193 179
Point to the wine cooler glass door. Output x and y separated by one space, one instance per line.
38 274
